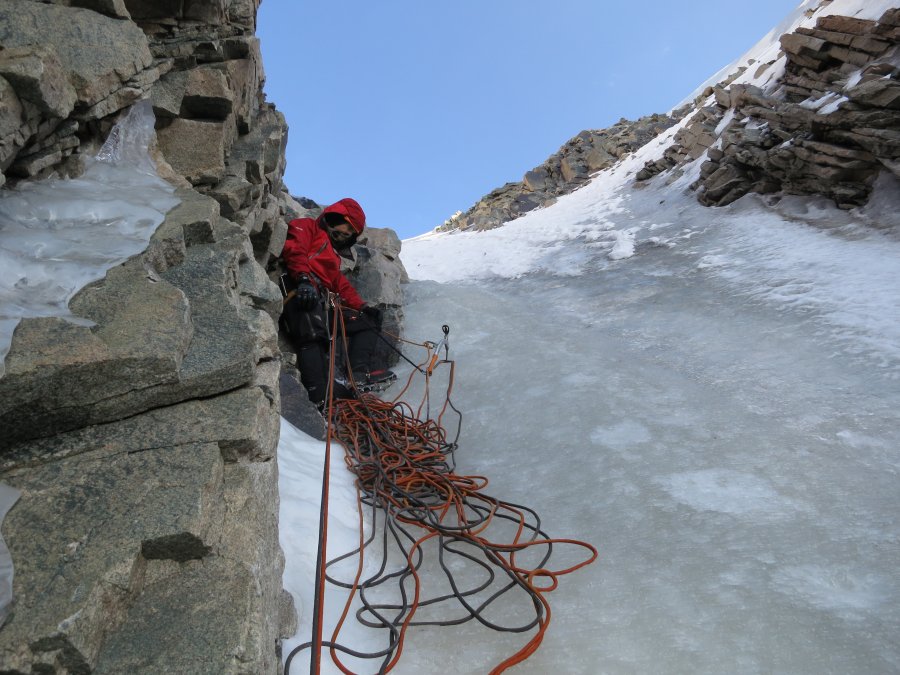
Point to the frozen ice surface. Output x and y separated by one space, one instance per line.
709 395
718 413
58 235
300 465
734 461
730 451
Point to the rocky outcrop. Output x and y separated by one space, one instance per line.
563 172
828 126
143 440
189 318
149 503
54 87
145 545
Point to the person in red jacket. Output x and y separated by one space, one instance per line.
312 254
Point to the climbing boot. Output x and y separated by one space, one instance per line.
374 380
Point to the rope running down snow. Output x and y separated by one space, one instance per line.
431 515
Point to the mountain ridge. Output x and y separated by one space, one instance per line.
774 94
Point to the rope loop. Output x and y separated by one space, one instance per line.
425 517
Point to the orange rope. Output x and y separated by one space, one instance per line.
406 451
404 467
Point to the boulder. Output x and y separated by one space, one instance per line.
377 278
175 499
573 169
112 8
99 54
178 333
724 186
257 290
876 93
598 158
244 72
833 37
194 220
12 124
384 240
111 512
39 78
33 164
523 203
269 232
60 374
240 422
869 44
234 193
167 94
234 628
206 94
536 180
296 407
195 149
850 56
845 24
804 45
243 13
209 638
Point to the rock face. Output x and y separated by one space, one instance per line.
829 126
562 173
143 442
56 85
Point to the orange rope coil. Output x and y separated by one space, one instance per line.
406 475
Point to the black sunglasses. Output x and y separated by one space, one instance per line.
340 234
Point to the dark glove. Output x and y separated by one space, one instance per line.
307 295
373 314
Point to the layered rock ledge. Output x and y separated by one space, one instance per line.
563 172
144 441
828 125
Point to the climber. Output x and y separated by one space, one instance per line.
312 255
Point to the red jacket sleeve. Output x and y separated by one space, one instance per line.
296 247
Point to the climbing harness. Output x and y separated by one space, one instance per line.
487 554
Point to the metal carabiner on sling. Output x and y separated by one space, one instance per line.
446 341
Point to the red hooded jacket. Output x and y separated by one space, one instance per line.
308 250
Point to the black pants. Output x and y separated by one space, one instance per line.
309 333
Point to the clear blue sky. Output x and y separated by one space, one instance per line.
418 108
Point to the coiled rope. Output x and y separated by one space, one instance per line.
405 478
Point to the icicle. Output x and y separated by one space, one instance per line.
60 234
129 141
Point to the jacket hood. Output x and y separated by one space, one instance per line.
350 210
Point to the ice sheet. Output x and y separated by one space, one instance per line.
58 235
717 411
734 460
